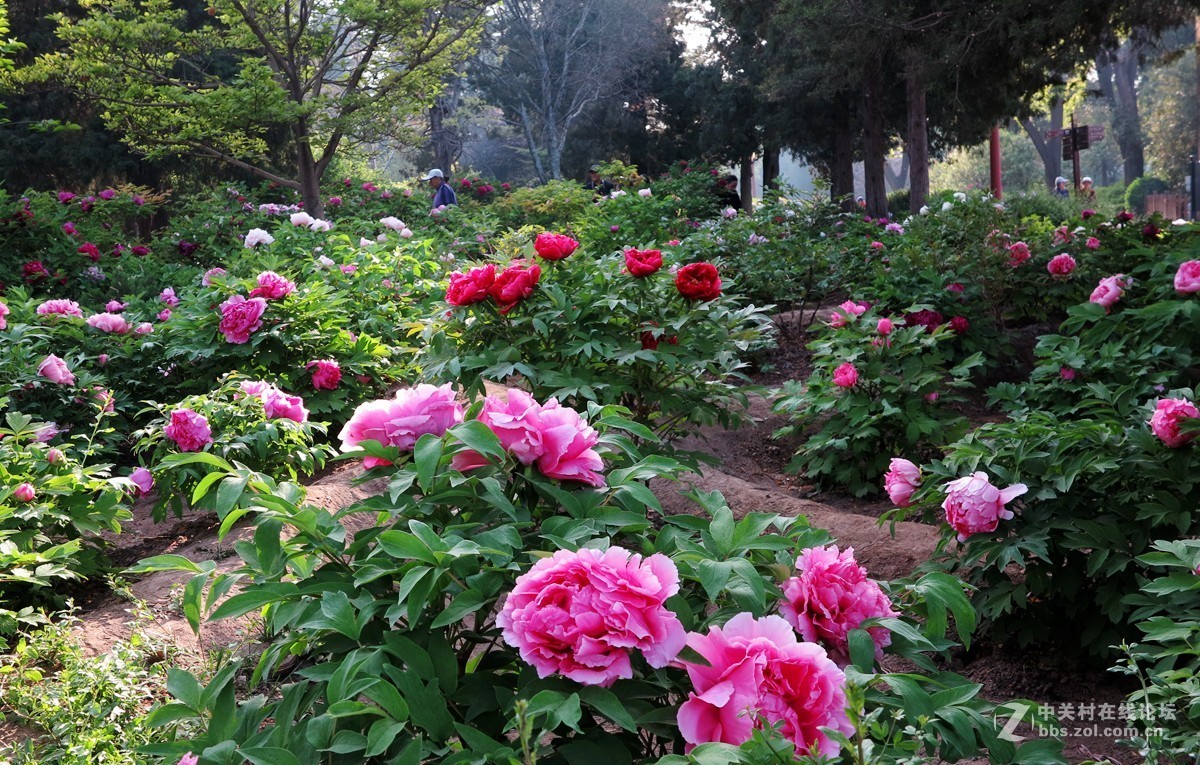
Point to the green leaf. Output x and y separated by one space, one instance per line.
257 596
464 603
427 455
606 703
268 755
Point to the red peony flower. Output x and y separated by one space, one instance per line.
642 263
699 281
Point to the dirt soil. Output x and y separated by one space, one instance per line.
751 477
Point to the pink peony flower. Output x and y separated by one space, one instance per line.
326 375
164 314
55 456
348 268
24 492
1061 265
107 194
514 284
554 246
1109 291
877 246
277 405
516 422
644 192
884 326
1018 253
1066 373
3 312
90 250
392 222
257 236
69 229
109 322
567 446
189 430
211 274
845 376
272 286
1169 414
143 478
64 197
1092 243
581 614
144 328
102 359
698 281
973 505
470 287
240 317
115 306
954 287
642 263
931 396
168 296
56 370
60 308
902 479
1087 214
302 219
189 759
831 596
400 421
1187 278
321 225
759 675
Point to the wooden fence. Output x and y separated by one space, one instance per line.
1170 206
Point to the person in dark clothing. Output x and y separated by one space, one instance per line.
597 184
443 195
727 192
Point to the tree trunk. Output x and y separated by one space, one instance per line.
309 178
747 180
874 143
898 179
770 166
1196 213
531 144
444 142
1050 150
841 181
917 151
1127 121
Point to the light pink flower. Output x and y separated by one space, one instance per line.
206 280
257 236
189 759
1187 278
567 446
169 297
301 219
326 375
109 322
1018 253
759 675
644 192
143 479
1169 414
321 225
400 421
189 430
3 312
115 306
974 506
845 376
144 328
406 233
581 614
832 595
277 405
164 314
902 479
349 268
24 492
392 222
56 370
516 422
60 308
272 286
1109 291
240 317
54 456
1061 265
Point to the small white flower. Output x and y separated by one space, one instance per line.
406 233
617 193
320 225
302 219
643 192
1179 222
946 206
257 236
364 242
924 210
381 238
999 206
960 196
729 213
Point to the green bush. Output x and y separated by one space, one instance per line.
1135 195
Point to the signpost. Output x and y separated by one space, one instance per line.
1074 140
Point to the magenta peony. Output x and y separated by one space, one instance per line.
470 287
567 446
581 614
90 250
115 306
1066 373
326 374
189 430
24 492
974 506
56 370
1061 265
277 405
516 422
642 263
1187 278
60 308
1109 291
400 421
759 674
1092 243
1169 414
902 479
884 326
832 595
110 323
514 284
169 297
189 759
698 281
554 246
1018 253
845 376
272 286
143 479
3 313
959 325
240 317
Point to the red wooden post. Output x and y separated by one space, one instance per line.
997 182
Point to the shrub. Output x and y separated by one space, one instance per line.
874 394
1135 195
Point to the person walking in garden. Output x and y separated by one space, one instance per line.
443 195
1085 189
597 184
1060 188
